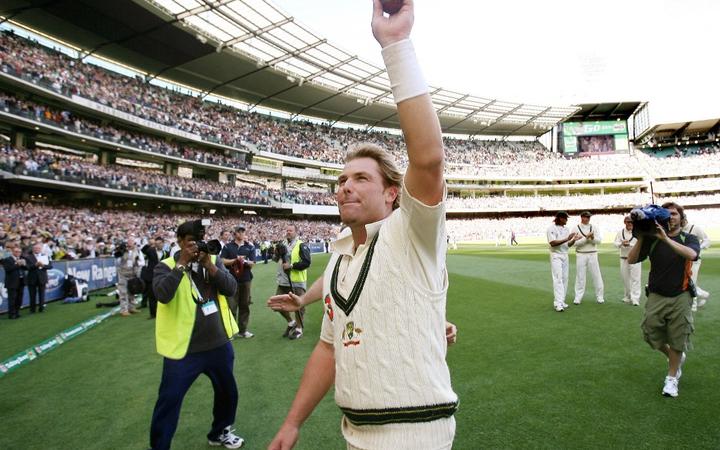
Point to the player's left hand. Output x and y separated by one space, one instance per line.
450 333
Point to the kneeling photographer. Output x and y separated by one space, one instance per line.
668 321
192 332
293 258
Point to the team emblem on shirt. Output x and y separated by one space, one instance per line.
351 334
328 308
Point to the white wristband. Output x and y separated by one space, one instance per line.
406 77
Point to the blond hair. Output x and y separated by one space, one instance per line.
388 169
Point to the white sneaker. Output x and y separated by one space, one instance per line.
559 308
228 439
576 302
636 303
678 374
701 302
601 300
565 305
671 387
626 300
246 335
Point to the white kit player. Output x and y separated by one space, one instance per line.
586 249
630 273
701 235
560 240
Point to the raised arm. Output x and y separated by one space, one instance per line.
418 119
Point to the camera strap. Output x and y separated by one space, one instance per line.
196 294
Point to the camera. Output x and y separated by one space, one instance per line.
210 247
280 250
644 219
120 249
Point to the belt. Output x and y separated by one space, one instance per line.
594 251
408 414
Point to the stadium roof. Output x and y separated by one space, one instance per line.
698 129
604 111
251 51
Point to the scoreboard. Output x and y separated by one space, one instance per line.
592 138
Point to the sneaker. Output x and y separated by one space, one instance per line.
636 303
296 334
288 330
227 438
576 302
565 305
678 374
601 300
626 300
246 335
559 308
701 302
671 387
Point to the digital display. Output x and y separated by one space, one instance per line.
595 137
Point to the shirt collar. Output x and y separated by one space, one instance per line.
345 244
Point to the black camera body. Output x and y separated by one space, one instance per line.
120 250
281 249
212 247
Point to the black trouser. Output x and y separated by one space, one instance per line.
15 296
300 313
148 298
240 305
177 377
37 296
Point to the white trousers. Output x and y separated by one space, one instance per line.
631 279
560 269
585 262
701 293
434 435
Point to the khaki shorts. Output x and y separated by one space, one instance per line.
668 320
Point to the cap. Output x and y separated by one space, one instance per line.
586 214
561 214
239 228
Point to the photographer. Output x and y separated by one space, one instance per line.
293 258
239 257
668 321
15 273
154 253
128 261
192 331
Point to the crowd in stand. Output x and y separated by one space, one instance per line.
93 128
227 125
234 127
73 233
689 185
547 202
693 160
74 169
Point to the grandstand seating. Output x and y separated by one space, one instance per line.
474 167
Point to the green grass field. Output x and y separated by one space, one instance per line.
527 377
